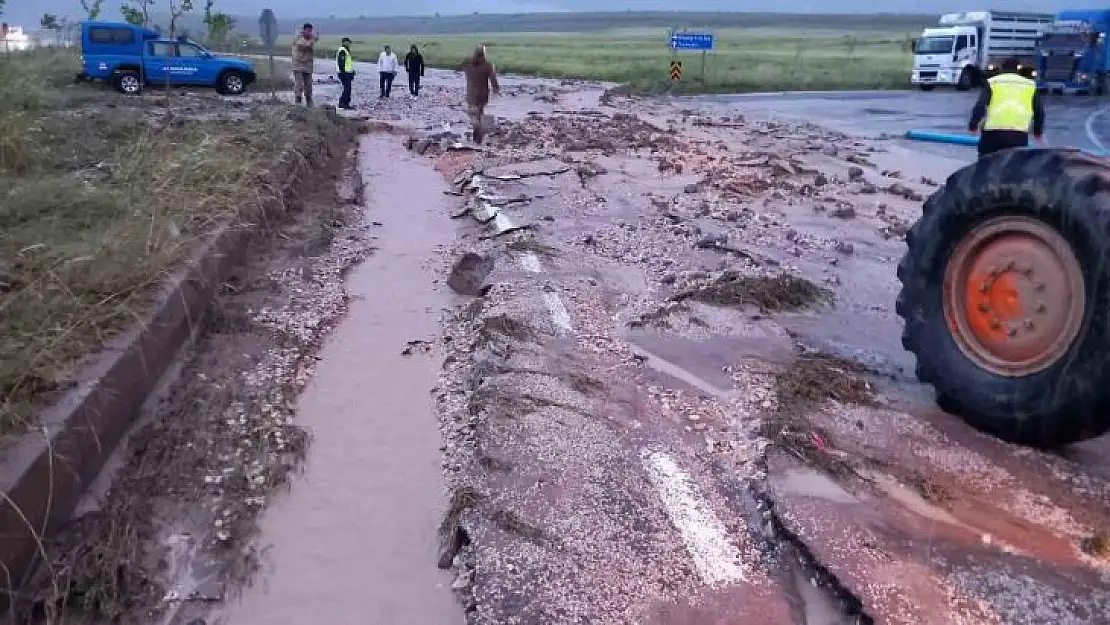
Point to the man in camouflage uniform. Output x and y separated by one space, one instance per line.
304 48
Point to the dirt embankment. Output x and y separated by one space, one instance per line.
112 212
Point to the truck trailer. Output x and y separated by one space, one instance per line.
1071 55
966 48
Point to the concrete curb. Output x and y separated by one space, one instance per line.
44 473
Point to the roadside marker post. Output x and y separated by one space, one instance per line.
676 71
268 31
685 40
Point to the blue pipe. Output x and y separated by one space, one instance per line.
943 137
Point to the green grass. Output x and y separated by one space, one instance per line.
768 59
98 204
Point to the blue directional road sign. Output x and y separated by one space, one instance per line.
691 41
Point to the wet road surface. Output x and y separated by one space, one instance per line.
355 539
1072 121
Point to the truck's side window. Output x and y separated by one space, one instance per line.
961 42
116 36
185 49
160 48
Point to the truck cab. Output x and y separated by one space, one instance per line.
964 48
130 57
946 56
1071 56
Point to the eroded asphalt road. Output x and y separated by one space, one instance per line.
682 397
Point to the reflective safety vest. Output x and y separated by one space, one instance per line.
1011 105
348 66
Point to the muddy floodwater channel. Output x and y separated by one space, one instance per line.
355 538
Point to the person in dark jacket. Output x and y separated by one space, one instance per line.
1008 105
414 67
345 69
481 81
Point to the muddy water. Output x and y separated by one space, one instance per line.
354 541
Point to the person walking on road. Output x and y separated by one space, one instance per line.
387 71
414 67
1007 106
304 53
345 68
481 80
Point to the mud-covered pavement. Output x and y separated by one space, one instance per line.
670 391
682 398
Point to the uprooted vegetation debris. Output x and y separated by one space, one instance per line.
811 380
781 293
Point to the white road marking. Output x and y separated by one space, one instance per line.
717 560
531 263
558 311
1090 128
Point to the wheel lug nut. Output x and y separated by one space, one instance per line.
984 287
1039 287
1041 308
995 324
1011 330
1010 266
1028 323
984 307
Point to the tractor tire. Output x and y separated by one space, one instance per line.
1006 296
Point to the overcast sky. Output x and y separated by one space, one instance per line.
28 11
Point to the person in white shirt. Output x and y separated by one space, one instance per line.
387 71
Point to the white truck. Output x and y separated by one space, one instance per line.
965 48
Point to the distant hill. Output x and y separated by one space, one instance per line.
28 12
585 22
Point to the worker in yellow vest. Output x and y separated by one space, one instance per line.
345 68
1008 105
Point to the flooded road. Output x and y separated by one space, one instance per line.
355 538
675 394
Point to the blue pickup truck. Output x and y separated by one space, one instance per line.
131 56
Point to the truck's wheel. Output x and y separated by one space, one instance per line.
231 83
928 87
1006 296
128 82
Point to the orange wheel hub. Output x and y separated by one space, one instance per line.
1013 296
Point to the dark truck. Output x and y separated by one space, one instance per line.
130 57
1071 55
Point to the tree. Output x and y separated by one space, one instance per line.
177 9
219 26
136 12
92 8
2 4
51 22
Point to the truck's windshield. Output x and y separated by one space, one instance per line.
934 45
1070 41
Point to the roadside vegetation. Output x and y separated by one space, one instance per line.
745 60
101 197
